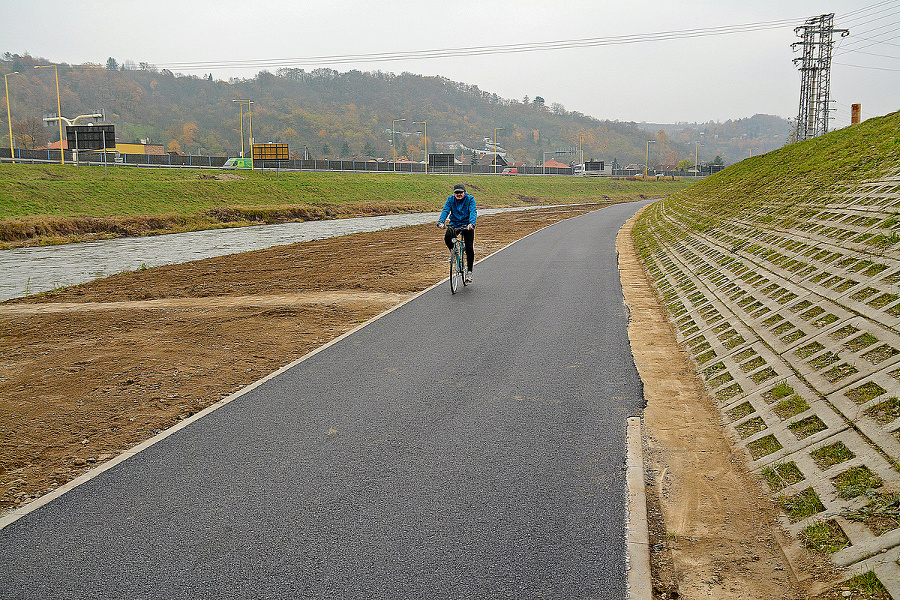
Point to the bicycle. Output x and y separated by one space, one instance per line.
457 261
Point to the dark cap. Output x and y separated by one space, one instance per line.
459 187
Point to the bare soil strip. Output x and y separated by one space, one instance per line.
217 302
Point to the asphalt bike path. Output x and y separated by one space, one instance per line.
460 446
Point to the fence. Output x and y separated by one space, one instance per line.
170 160
115 158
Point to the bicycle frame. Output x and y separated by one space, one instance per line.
458 263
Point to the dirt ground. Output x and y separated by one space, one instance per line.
89 371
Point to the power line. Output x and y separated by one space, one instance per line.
850 19
867 67
874 43
487 50
873 54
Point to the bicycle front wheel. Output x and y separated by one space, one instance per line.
456 274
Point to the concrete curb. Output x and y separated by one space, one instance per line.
637 534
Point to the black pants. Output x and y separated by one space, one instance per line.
468 236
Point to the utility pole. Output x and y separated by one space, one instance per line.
817 34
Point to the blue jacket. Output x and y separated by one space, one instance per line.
462 211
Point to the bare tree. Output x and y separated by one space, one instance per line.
30 133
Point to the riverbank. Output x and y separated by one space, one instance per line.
53 204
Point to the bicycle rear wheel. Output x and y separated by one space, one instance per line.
456 275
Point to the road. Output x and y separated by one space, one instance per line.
461 446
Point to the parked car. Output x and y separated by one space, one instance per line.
510 171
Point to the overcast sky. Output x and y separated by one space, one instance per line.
683 79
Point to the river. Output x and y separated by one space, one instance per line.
25 271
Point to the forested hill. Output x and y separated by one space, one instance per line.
736 139
332 114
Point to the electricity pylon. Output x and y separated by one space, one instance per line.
815 74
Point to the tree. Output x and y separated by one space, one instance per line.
538 101
326 149
474 158
718 160
30 133
368 150
684 165
345 149
189 133
111 64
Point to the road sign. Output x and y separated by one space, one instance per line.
91 137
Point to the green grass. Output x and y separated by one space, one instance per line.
802 505
885 412
796 173
807 427
781 390
782 475
729 392
881 514
790 407
856 481
880 354
825 537
830 455
839 372
865 392
763 375
859 343
54 195
739 412
751 427
867 583
763 446
808 350
713 370
753 364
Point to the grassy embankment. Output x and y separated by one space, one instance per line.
804 172
46 204
780 276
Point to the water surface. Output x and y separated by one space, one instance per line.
26 271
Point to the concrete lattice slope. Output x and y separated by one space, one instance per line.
786 291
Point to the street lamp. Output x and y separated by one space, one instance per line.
62 157
496 129
696 147
250 115
394 142
647 166
425 123
12 152
581 149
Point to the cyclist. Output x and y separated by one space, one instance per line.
461 209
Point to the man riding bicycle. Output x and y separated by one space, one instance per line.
461 208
